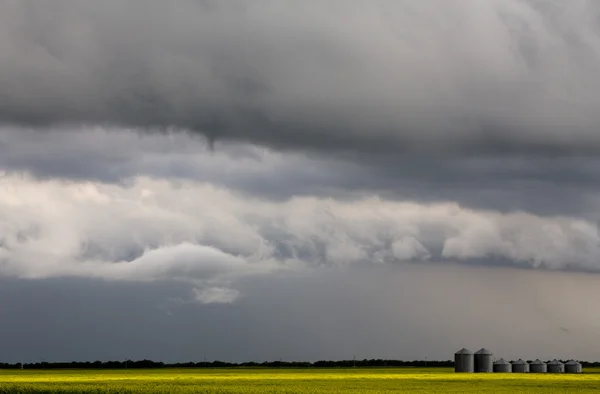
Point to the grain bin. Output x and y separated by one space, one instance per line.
484 360
556 366
520 366
573 366
502 366
538 366
463 361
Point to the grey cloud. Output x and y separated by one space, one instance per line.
215 295
544 186
270 169
212 238
502 76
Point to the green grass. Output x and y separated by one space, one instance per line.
259 380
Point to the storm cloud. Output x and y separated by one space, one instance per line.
197 233
386 77
240 173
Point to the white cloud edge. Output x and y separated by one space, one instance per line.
212 237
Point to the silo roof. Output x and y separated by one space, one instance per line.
501 361
520 362
538 362
572 362
464 351
555 362
483 351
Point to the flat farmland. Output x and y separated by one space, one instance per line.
273 380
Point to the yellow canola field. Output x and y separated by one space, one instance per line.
273 380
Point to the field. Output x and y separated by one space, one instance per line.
258 380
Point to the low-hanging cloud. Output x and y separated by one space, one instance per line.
542 186
155 230
384 76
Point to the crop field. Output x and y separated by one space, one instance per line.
262 380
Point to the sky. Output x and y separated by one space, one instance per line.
265 180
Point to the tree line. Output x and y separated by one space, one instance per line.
222 364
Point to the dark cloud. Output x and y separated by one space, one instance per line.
385 77
238 174
545 186
383 98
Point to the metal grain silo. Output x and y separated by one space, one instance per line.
520 366
502 366
538 366
573 366
484 360
556 366
463 361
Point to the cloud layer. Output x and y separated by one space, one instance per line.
309 166
154 230
543 186
501 76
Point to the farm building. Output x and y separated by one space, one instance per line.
502 366
572 366
538 366
555 366
463 361
520 366
484 361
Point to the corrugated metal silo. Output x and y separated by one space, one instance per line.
573 366
538 366
520 366
556 366
502 366
484 360
463 361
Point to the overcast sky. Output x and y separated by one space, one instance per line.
299 180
